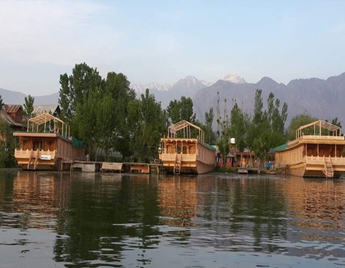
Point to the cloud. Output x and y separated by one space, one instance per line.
56 32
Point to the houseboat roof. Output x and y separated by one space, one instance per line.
317 127
315 132
47 120
44 118
184 126
278 148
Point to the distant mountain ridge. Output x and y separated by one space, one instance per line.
317 97
15 97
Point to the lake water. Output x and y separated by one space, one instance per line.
217 220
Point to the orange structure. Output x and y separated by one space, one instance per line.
317 151
184 150
46 144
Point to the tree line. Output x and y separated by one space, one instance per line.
108 116
264 130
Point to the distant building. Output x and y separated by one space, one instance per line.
52 109
12 114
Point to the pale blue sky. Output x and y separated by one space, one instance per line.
163 41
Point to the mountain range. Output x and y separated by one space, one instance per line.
15 97
318 97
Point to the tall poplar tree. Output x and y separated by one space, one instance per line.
267 129
28 107
181 110
238 126
74 88
210 136
117 86
1 102
148 121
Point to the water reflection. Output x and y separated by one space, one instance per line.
319 204
93 220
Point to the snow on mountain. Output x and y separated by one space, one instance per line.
234 78
191 80
206 83
188 82
139 88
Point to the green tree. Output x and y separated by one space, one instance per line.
223 142
267 128
277 121
75 87
258 129
148 122
210 135
97 109
223 146
117 86
181 110
105 123
237 128
85 114
28 107
298 121
258 107
187 110
336 122
7 142
173 111
1 103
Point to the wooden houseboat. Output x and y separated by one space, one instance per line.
317 151
180 153
46 144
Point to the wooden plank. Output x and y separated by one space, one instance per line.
111 166
242 171
140 168
84 167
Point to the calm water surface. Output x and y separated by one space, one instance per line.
114 220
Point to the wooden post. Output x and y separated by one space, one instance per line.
45 124
320 129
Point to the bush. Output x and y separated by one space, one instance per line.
7 159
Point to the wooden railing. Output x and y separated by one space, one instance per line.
320 137
188 157
184 158
19 153
321 160
172 157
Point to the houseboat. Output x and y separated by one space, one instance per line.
47 144
184 151
317 151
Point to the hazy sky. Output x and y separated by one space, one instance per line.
163 41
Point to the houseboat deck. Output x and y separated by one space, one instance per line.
180 152
46 144
317 151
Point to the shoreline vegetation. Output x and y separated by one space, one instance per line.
132 125
218 169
